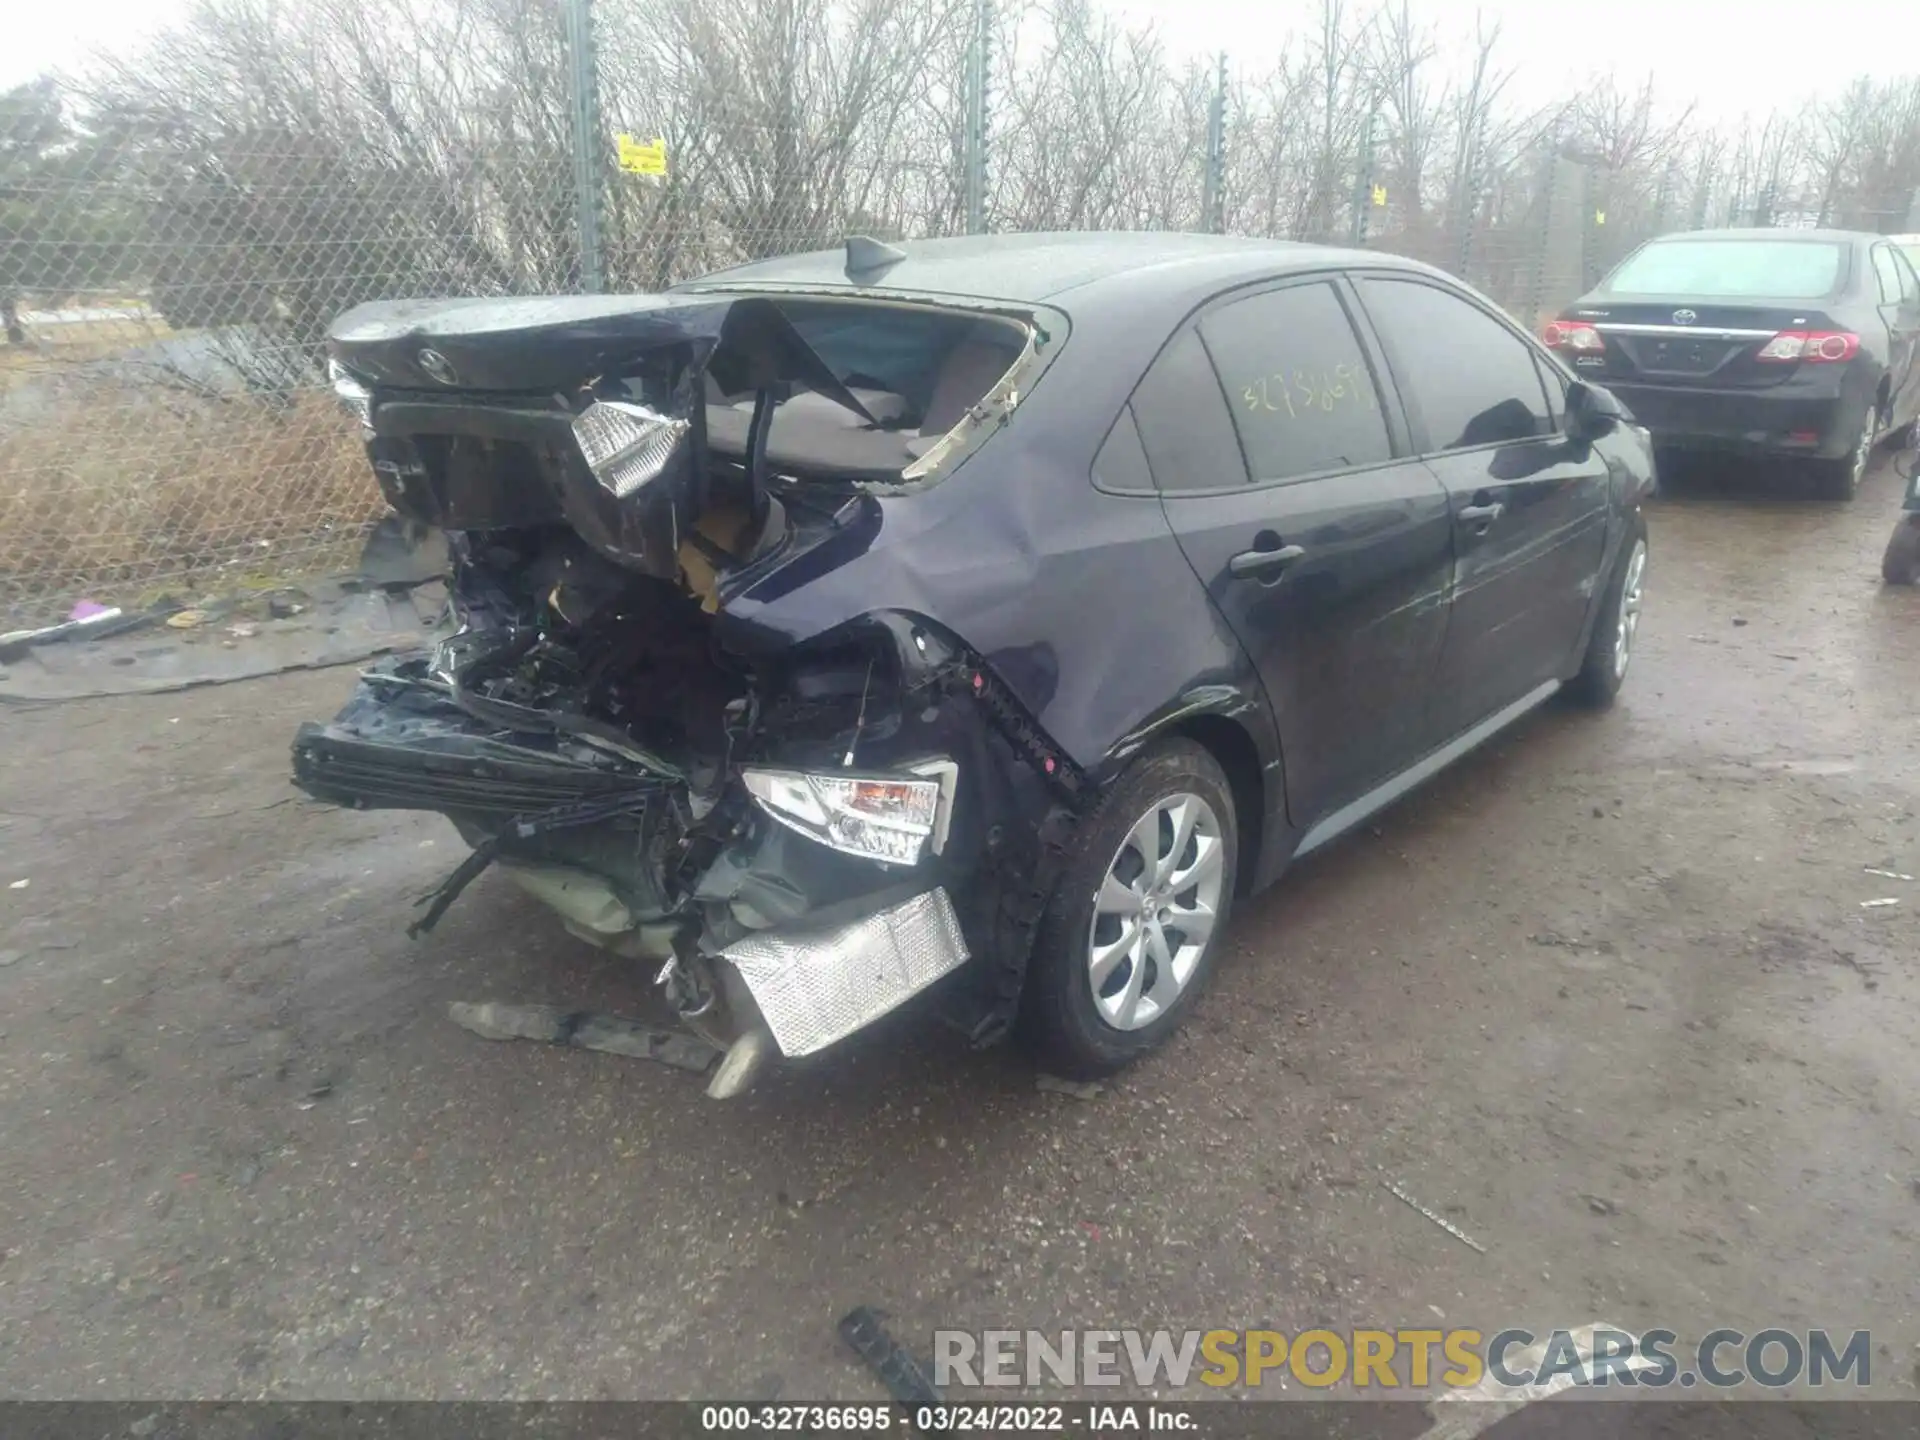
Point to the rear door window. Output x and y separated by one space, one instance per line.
1303 397
1471 379
1183 421
1121 464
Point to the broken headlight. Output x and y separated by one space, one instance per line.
890 818
354 397
626 445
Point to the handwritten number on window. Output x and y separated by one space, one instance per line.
1309 390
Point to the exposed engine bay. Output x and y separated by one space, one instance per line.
793 836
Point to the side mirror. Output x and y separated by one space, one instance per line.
1592 411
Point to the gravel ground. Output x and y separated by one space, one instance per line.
1606 996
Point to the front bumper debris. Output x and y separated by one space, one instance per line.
818 986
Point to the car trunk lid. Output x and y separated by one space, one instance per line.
1714 345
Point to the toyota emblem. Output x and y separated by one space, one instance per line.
1684 317
438 366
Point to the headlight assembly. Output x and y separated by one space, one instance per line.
889 818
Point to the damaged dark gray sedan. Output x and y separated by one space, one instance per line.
978 616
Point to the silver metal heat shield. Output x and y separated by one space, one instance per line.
816 987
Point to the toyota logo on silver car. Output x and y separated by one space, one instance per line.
438 366
1684 317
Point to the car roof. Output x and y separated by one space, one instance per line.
1037 268
1778 232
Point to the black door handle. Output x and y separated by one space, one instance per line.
1482 515
1252 564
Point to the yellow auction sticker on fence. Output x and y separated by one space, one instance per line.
642 157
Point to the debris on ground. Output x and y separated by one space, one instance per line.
89 609
905 1377
237 637
1077 1089
1885 874
1601 1205
583 1030
19 884
15 644
1877 904
1452 1229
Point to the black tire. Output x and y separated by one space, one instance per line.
1840 479
1901 563
1601 669
1061 1026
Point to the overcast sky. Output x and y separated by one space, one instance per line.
1731 57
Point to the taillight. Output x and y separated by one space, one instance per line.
1572 335
1816 347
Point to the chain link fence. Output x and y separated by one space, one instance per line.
178 229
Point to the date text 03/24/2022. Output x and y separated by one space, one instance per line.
944 1419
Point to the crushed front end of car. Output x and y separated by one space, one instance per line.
793 827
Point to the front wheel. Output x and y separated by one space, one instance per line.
1616 630
1130 935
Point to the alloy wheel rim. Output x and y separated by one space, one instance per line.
1631 590
1155 911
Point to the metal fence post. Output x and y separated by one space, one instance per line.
1363 176
979 80
585 96
1213 196
1469 206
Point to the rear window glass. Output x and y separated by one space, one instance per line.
917 370
1759 269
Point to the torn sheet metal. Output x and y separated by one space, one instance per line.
816 988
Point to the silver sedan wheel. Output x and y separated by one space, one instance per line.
1630 595
1155 911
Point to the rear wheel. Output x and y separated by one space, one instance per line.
1130 936
1840 479
1616 630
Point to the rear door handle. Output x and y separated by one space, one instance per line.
1253 564
1481 514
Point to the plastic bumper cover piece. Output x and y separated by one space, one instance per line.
820 986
